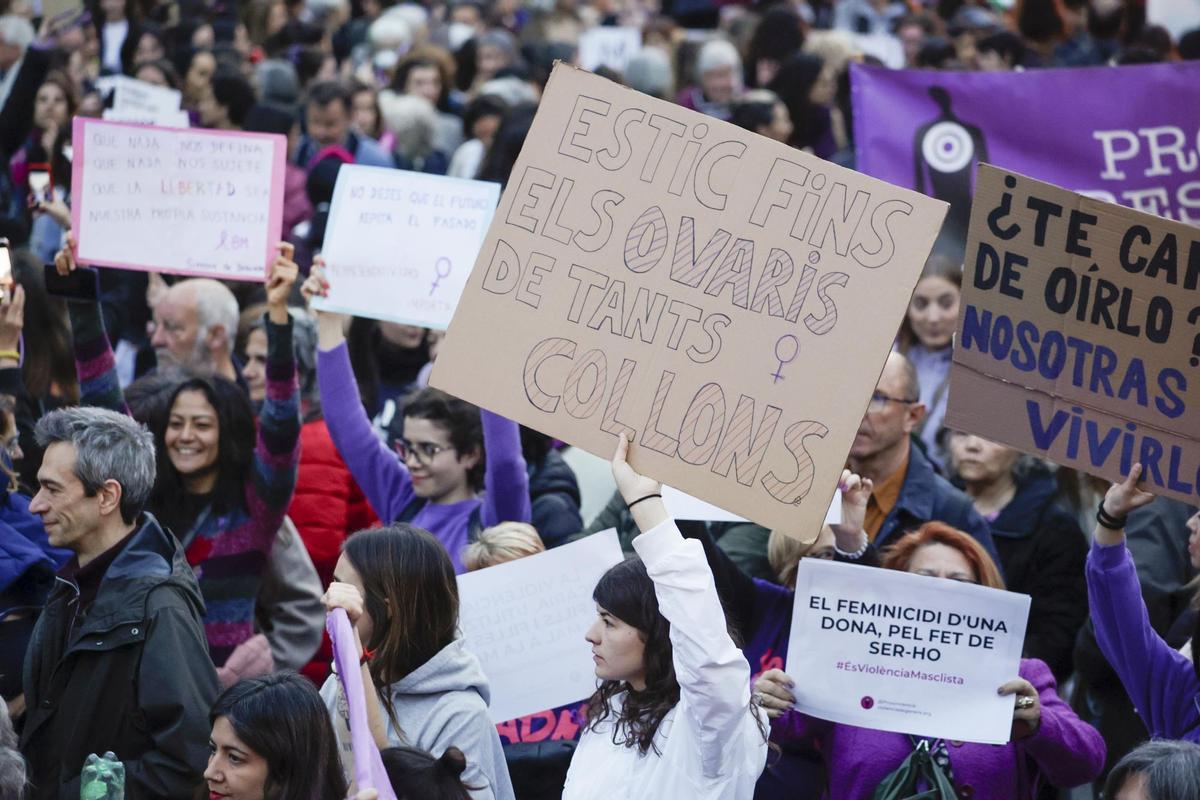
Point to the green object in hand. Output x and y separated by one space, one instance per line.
103 778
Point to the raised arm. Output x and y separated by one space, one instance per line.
277 450
1160 681
381 476
94 361
506 481
713 674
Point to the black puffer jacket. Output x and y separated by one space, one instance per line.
1042 550
135 677
554 495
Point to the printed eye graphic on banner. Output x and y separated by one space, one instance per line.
947 147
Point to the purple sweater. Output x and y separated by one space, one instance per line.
385 480
1160 681
1066 751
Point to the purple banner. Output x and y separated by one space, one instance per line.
368 765
1128 135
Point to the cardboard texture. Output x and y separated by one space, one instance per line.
1078 334
725 300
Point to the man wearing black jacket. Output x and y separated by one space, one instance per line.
118 659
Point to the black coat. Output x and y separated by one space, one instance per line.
16 115
554 497
135 677
1042 550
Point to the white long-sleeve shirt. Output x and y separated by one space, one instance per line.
710 745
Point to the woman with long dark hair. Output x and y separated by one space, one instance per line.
398 588
449 450
271 740
672 717
223 486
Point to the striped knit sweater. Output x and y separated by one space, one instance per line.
227 551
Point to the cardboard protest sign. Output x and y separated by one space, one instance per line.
900 652
606 46
1078 334
525 620
197 203
399 245
726 301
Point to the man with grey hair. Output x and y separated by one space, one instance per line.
195 322
118 659
22 69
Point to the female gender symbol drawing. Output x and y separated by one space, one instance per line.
786 341
442 269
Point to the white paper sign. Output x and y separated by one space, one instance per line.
525 620
130 94
399 245
681 505
894 651
1177 16
191 202
604 46
163 119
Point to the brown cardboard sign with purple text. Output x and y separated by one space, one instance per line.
726 301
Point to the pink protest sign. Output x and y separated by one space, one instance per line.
191 202
368 766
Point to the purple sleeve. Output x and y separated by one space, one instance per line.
795 728
1068 751
380 475
506 483
1160 681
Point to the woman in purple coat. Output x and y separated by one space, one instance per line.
1049 745
1163 683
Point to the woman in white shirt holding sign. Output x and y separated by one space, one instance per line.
672 717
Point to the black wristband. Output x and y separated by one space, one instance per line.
640 499
1107 520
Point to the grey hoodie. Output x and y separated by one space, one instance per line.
442 703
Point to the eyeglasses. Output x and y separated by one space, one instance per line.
879 401
425 452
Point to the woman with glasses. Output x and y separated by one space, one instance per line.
1049 744
444 463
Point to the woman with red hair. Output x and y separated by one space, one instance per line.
1049 744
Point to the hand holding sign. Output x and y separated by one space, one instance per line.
849 532
773 691
330 324
279 283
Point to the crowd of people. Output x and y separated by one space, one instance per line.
197 472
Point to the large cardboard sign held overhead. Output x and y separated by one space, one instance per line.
726 301
1079 334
